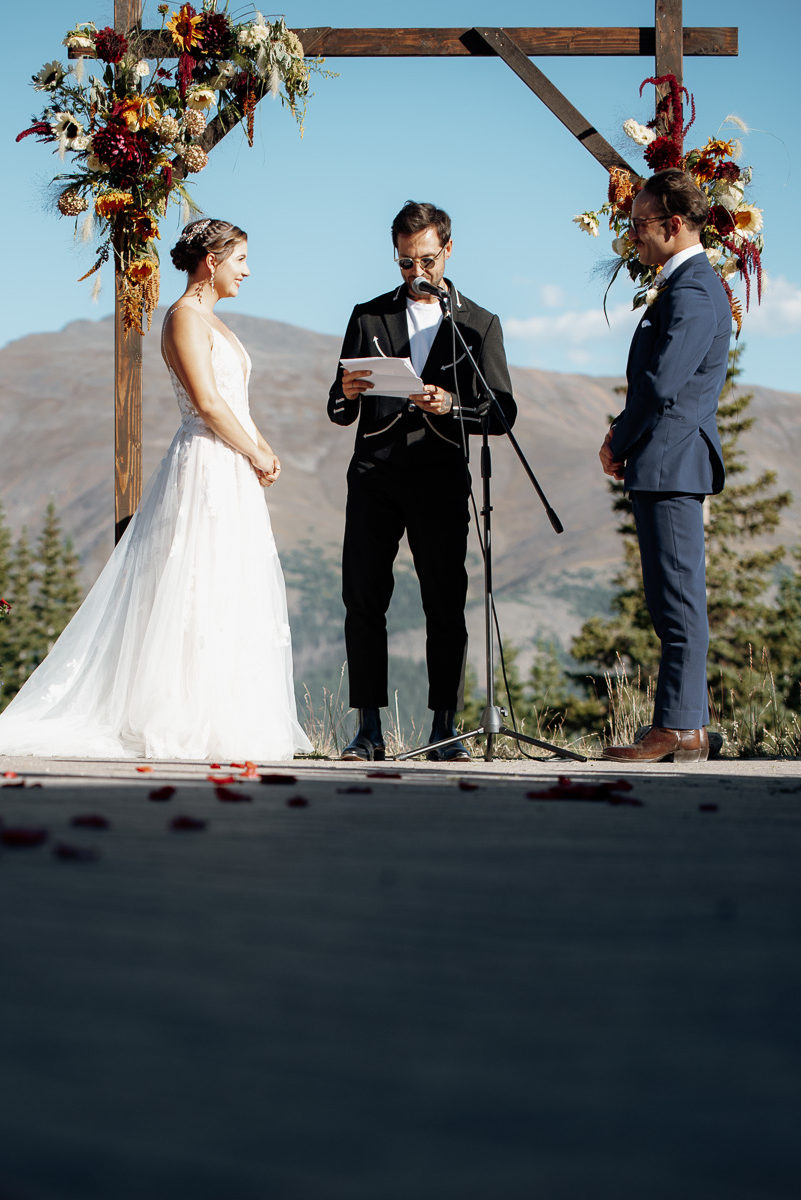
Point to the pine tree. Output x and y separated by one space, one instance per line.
739 575
7 622
24 637
784 637
58 594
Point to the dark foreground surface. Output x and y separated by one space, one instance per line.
411 992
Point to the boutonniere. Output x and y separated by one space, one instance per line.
653 293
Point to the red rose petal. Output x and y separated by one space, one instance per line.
297 802
290 779
21 836
187 824
356 789
16 783
466 786
214 767
238 766
145 770
250 772
10 775
91 821
384 775
163 793
220 778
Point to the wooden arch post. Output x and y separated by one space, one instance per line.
667 41
127 364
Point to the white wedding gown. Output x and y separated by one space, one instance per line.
182 647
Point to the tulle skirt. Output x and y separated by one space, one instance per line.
182 647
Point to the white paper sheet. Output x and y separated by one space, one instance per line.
390 376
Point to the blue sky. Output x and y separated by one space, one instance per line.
464 133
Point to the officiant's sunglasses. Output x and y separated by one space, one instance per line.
426 262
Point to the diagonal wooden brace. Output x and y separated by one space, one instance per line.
500 43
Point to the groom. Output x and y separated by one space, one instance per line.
665 447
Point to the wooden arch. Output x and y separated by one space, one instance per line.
667 41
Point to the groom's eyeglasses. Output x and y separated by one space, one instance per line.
426 262
636 223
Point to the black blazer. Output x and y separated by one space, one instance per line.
390 429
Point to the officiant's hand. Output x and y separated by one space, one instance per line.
354 383
608 463
434 400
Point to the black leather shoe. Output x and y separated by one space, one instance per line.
368 744
442 728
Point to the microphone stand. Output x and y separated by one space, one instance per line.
491 723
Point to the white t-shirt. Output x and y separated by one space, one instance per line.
422 320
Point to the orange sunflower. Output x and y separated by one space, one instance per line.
184 27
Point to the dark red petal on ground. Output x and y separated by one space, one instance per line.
355 789
230 795
72 853
91 821
162 793
187 824
21 836
297 802
290 779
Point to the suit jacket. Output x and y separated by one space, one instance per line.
667 434
390 429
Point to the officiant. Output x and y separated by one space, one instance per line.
409 473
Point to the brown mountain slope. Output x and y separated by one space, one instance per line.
56 430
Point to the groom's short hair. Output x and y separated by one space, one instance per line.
414 217
678 195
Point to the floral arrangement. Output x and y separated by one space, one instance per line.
732 236
136 130
5 608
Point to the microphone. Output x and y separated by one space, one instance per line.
421 287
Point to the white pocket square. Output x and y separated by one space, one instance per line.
646 324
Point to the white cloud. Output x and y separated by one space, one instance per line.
552 295
779 314
574 328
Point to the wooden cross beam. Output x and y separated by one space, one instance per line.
667 41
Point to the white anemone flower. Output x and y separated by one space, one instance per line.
69 132
748 219
587 221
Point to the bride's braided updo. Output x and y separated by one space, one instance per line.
206 236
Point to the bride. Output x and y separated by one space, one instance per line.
182 647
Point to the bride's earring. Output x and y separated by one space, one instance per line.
211 277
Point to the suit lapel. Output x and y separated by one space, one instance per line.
398 330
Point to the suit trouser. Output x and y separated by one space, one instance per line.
430 505
670 531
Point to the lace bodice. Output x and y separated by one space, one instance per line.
232 382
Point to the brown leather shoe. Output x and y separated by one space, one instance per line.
663 745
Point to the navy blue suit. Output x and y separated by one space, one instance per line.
668 439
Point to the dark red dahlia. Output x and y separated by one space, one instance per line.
110 45
217 39
662 153
125 153
721 219
728 171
